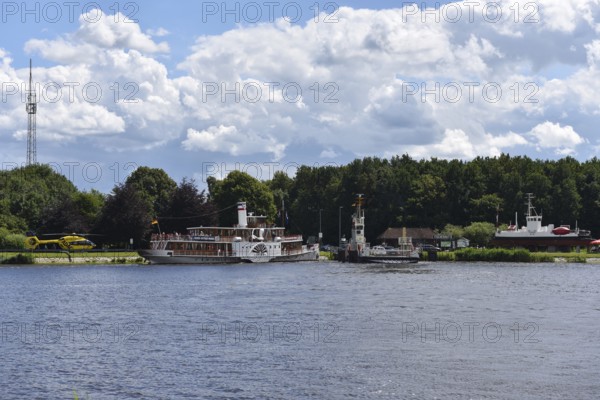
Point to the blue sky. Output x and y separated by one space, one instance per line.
212 91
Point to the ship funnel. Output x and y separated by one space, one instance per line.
242 216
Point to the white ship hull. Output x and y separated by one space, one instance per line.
167 257
389 259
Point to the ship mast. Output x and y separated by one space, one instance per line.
31 109
530 208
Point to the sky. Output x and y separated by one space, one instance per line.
201 88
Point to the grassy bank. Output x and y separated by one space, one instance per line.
63 257
517 255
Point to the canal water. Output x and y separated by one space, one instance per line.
306 330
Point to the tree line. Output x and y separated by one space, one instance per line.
441 194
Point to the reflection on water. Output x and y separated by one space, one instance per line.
305 330
400 268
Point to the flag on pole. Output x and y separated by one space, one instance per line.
155 222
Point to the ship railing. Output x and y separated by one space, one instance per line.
156 238
203 253
292 238
158 245
161 238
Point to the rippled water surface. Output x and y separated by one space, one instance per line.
307 330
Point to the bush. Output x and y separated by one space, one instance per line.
542 257
11 240
446 256
494 255
19 259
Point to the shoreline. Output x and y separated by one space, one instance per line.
88 260
518 256
15 257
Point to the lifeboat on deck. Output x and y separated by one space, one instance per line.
561 230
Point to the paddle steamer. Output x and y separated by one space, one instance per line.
251 240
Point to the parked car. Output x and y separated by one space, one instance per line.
378 250
429 247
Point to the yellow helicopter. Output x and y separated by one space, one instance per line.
69 242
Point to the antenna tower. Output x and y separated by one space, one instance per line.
31 108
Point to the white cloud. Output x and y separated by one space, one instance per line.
562 139
87 44
509 140
358 106
228 139
457 144
117 32
328 153
362 54
563 15
593 53
160 32
136 104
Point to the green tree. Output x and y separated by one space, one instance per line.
89 205
240 186
29 192
9 221
566 198
126 214
188 208
427 201
281 185
454 230
485 208
281 182
63 218
315 189
154 185
458 192
480 233
589 184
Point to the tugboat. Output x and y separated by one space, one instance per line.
534 236
250 241
359 251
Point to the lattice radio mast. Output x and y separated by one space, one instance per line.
31 108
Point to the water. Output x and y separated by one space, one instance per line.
308 330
